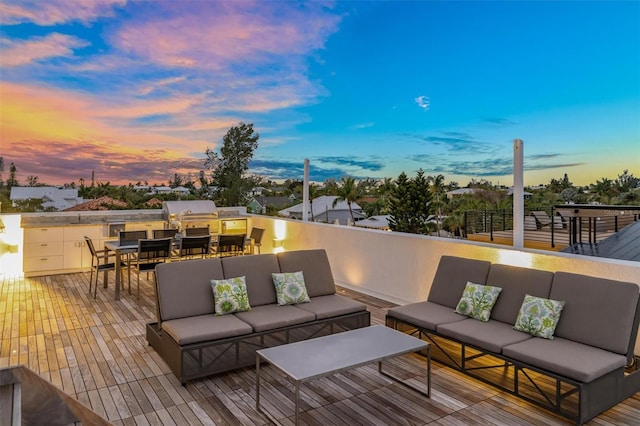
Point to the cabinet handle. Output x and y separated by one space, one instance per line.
44 258
44 245
44 229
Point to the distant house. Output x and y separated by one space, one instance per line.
460 192
527 195
51 196
324 211
258 204
180 190
375 222
102 203
258 191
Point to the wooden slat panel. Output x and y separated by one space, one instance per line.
96 350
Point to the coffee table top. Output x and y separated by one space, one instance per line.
341 351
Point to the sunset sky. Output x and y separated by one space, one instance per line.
137 90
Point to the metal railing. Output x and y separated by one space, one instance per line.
584 223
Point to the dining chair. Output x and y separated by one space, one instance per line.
131 238
191 246
151 252
99 263
192 232
165 233
256 237
230 245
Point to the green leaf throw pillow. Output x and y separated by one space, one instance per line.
230 295
290 288
478 300
539 317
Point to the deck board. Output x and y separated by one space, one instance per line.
96 351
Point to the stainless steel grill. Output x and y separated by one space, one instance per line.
190 214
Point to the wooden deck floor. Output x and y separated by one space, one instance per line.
96 351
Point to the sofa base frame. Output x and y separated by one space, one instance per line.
203 359
568 398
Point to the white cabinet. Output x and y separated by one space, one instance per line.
76 252
43 249
60 248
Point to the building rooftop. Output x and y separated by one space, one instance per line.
96 351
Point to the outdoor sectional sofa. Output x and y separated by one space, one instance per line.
589 365
195 342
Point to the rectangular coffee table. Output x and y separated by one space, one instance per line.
326 355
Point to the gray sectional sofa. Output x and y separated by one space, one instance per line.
588 367
196 343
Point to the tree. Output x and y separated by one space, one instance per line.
410 204
177 181
438 201
32 180
313 193
229 166
347 191
1 170
12 181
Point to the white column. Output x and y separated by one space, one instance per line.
518 193
305 192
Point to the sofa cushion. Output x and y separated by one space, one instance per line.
230 295
268 317
257 270
515 282
315 266
538 317
290 288
452 276
183 289
202 328
491 336
332 305
567 358
597 311
426 315
477 301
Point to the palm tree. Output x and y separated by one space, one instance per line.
347 191
438 199
314 192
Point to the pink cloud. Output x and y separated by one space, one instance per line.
38 48
56 134
214 34
51 12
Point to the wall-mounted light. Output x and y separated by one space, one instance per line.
8 248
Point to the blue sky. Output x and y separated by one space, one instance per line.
138 90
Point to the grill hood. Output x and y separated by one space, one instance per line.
176 210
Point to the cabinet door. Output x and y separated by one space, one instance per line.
43 263
75 250
43 235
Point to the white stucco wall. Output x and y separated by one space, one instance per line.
400 267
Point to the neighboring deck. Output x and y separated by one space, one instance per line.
539 239
96 351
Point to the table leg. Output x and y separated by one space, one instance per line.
429 371
257 382
105 275
400 381
297 402
118 273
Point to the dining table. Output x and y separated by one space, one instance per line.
127 248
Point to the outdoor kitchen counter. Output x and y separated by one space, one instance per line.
33 220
